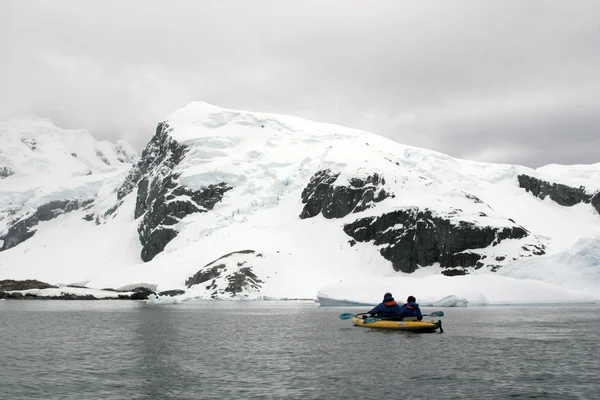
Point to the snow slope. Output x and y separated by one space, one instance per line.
576 268
268 160
49 171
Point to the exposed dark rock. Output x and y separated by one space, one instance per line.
62 296
31 143
88 217
466 258
71 296
205 274
171 204
32 296
537 250
5 172
454 272
154 242
596 201
111 210
74 155
139 293
242 279
174 292
102 157
559 193
161 200
211 270
321 195
22 229
473 198
162 152
412 237
9 284
238 276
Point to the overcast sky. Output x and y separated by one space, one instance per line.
502 81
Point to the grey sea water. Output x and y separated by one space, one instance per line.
278 350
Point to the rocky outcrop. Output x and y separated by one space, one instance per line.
32 296
322 195
161 155
9 284
14 290
230 274
171 204
23 228
102 157
562 194
411 237
161 200
5 172
31 143
139 293
596 201
172 293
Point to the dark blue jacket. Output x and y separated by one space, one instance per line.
411 310
386 309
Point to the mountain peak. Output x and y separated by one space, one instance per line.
35 147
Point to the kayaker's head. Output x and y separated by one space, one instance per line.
411 299
388 300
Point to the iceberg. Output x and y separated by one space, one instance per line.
444 291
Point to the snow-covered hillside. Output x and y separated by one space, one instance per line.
230 203
46 171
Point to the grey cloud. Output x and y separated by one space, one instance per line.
499 81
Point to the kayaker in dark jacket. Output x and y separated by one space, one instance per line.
387 308
411 309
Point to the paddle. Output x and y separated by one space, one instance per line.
349 315
375 319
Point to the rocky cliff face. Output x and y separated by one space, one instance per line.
323 195
161 201
412 237
562 194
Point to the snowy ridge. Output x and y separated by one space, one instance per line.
321 204
49 171
33 147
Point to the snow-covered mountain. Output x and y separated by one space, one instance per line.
230 203
46 171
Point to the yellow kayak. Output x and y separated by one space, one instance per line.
409 326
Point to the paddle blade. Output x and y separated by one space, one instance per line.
436 314
346 316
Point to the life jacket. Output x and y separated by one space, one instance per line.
390 303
